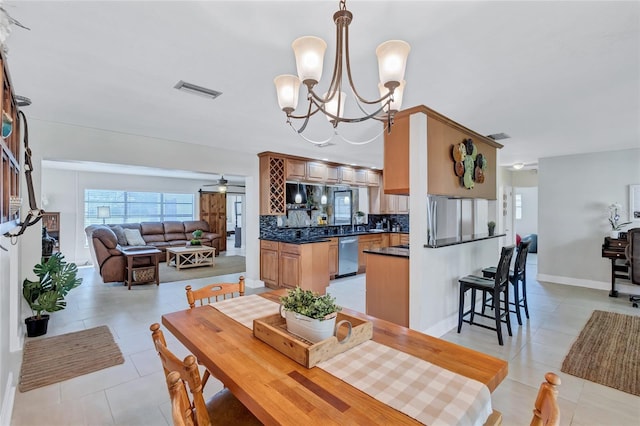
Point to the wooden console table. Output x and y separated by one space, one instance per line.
613 249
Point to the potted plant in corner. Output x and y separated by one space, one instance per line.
492 226
56 278
309 315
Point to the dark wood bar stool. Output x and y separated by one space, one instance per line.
498 285
517 277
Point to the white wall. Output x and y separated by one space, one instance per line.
528 224
573 194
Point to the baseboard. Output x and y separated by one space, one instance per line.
597 285
7 401
253 283
443 326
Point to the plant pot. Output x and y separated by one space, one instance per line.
615 234
313 330
491 231
37 326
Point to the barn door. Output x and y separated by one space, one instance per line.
213 209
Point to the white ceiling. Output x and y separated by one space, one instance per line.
558 77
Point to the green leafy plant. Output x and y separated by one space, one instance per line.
491 224
310 304
197 234
56 278
360 213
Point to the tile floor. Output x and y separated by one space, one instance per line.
134 393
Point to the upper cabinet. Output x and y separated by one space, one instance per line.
321 172
273 195
276 169
296 169
442 134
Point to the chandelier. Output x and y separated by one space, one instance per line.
309 54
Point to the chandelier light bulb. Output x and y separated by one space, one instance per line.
392 61
287 88
323 199
332 106
309 52
397 96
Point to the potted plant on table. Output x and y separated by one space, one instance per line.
56 278
197 234
492 226
309 315
614 217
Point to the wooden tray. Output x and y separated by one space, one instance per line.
273 331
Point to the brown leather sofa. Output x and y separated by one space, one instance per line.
106 249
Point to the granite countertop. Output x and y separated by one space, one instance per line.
445 242
321 238
398 251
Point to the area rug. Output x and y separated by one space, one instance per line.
607 352
224 265
54 359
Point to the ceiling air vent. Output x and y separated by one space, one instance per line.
197 90
498 136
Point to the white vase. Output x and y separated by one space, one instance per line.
615 234
313 330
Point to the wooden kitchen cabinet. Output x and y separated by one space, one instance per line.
404 239
347 175
285 265
296 169
367 242
273 190
269 263
361 177
333 258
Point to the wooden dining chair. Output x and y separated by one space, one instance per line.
546 411
222 409
212 292
181 411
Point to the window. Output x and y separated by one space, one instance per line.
135 207
518 206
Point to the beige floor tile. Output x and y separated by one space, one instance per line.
135 392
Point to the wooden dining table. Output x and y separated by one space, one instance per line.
278 390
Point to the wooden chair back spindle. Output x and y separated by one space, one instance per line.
181 411
214 291
546 411
188 371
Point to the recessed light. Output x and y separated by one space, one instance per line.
353 164
325 159
518 166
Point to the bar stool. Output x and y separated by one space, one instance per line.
496 286
516 276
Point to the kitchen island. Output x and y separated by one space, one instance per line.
388 284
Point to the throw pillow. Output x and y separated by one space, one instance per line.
134 238
119 231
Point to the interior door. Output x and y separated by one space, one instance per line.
507 214
213 209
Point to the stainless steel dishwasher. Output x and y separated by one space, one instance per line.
347 256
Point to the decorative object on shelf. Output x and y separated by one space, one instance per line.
309 53
7 125
492 227
614 217
56 277
104 213
309 315
468 164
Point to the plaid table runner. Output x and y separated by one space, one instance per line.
246 308
428 393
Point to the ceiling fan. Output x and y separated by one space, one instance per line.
223 184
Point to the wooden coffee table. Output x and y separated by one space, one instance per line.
191 257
